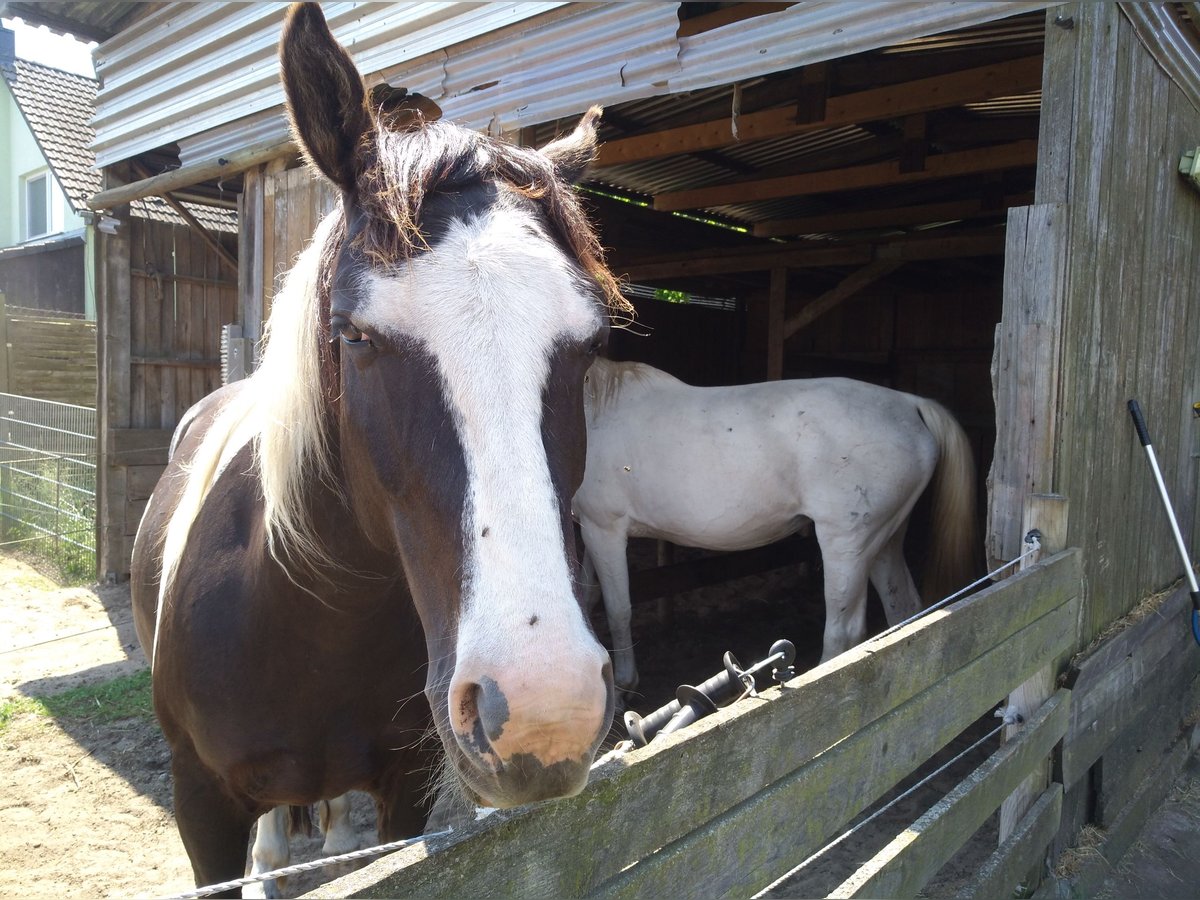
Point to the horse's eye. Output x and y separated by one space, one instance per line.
595 346
347 331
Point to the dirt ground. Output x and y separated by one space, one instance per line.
86 809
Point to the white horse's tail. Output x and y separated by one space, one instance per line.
951 563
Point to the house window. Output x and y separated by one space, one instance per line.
37 205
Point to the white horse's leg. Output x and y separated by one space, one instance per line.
607 551
333 816
587 580
270 851
893 581
845 599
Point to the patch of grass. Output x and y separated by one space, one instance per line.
127 697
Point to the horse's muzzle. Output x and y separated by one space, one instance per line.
523 736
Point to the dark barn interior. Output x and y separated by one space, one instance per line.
856 227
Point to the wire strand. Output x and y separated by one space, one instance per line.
879 812
308 866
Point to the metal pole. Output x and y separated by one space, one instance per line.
1139 424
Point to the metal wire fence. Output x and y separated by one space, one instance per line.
48 483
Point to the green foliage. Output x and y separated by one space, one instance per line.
668 296
126 697
48 512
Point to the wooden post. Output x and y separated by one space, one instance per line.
1048 514
250 259
113 291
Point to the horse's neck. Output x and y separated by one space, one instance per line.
362 564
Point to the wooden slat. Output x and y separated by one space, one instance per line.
138 447
920 214
141 481
803 255
945 165
576 850
1109 683
1025 847
1026 371
920 95
903 867
718 861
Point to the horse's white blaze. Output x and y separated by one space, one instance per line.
491 303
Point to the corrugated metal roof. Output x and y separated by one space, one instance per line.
190 67
815 31
97 20
186 72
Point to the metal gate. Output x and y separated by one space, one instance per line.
48 484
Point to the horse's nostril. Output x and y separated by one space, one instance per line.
479 711
492 707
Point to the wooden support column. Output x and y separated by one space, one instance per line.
776 333
1048 514
113 289
250 256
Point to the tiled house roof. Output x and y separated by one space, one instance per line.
57 107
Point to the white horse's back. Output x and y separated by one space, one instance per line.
729 468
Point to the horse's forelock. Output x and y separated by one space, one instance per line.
409 165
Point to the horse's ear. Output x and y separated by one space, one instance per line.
572 154
326 98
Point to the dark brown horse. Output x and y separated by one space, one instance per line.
373 532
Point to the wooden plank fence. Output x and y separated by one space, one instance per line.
47 356
728 806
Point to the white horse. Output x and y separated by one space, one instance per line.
729 468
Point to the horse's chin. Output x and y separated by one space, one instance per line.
516 781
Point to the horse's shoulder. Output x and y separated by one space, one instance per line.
198 419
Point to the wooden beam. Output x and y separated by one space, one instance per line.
226 258
803 255
186 176
920 214
846 288
945 165
921 95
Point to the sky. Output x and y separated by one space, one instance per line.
43 46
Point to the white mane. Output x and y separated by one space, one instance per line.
281 412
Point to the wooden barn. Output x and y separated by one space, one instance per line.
994 204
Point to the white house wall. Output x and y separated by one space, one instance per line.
206 76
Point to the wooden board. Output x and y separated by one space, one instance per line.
735 854
1111 685
1023 850
903 867
877 692
1025 373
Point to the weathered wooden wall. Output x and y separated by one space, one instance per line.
46 356
179 299
293 204
162 298
1103 273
